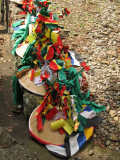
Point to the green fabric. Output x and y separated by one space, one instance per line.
39 63
44 12
80 128
62 74
44 51
82 120
38 4
28 53
95 107
17 94
24 36
55 17
43 120
51 26
16 24
17 42
24 67
18 33
71 82
60 62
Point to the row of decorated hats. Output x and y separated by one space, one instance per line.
65 118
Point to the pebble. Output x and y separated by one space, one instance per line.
117 149
104 121
91 152
108 108
112 113
116 118
108 143
112 137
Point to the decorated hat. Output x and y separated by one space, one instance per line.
47 135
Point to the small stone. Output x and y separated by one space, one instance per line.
105 62
109 147
108 108
112 137
106 127
104 121
19 107
108 143
106 133
117 149
94 135
91 152
118 112
116 118
112 113
118 94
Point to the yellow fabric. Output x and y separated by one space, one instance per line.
30 38
88 132
36 73
57 124
68 127
54 36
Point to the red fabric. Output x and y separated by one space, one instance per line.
30 8
50 15
51 21
61 16
51 114
64 110
66 10
58 46
62 90
24 4
56 87
62 131
44 76
66 48
45 3
32 74
38 29
85 66
41 18
53 65
41 107
39 122
25 12
10 22
50 53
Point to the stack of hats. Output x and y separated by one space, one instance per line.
65 118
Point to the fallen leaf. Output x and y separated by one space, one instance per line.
10 130
9 115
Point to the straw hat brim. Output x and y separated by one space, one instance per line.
30 86
47 135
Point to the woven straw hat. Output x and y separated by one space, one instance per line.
47 135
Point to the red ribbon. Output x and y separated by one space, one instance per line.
44 76
39 122
85 66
